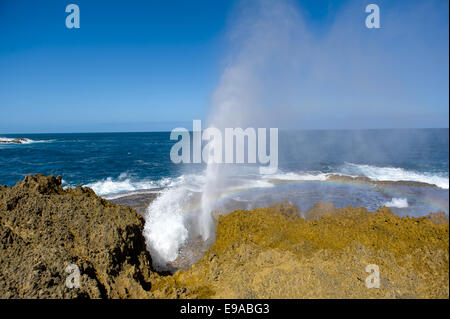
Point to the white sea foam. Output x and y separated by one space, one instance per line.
9 140
291 176
173 216
165 227
121 185
125 185
397 202
396 174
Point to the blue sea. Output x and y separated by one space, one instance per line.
116 164
186 196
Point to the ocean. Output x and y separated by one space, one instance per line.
114 164
313 166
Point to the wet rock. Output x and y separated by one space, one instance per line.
13 141
366 180
139 202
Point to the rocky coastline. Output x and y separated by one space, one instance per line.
273 252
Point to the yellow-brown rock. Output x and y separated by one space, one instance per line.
264 254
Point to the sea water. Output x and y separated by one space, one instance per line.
117 164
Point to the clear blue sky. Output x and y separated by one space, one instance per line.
150 65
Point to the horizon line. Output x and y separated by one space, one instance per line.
297 129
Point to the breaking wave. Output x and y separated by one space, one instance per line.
397 203
127 184
291 176
396 174
170 220
17 141
124 184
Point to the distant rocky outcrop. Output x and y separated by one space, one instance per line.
367 180
13 140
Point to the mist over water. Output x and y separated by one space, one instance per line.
119 164
277 73
255 84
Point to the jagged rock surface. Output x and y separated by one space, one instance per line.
265 253
274 252
43 228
